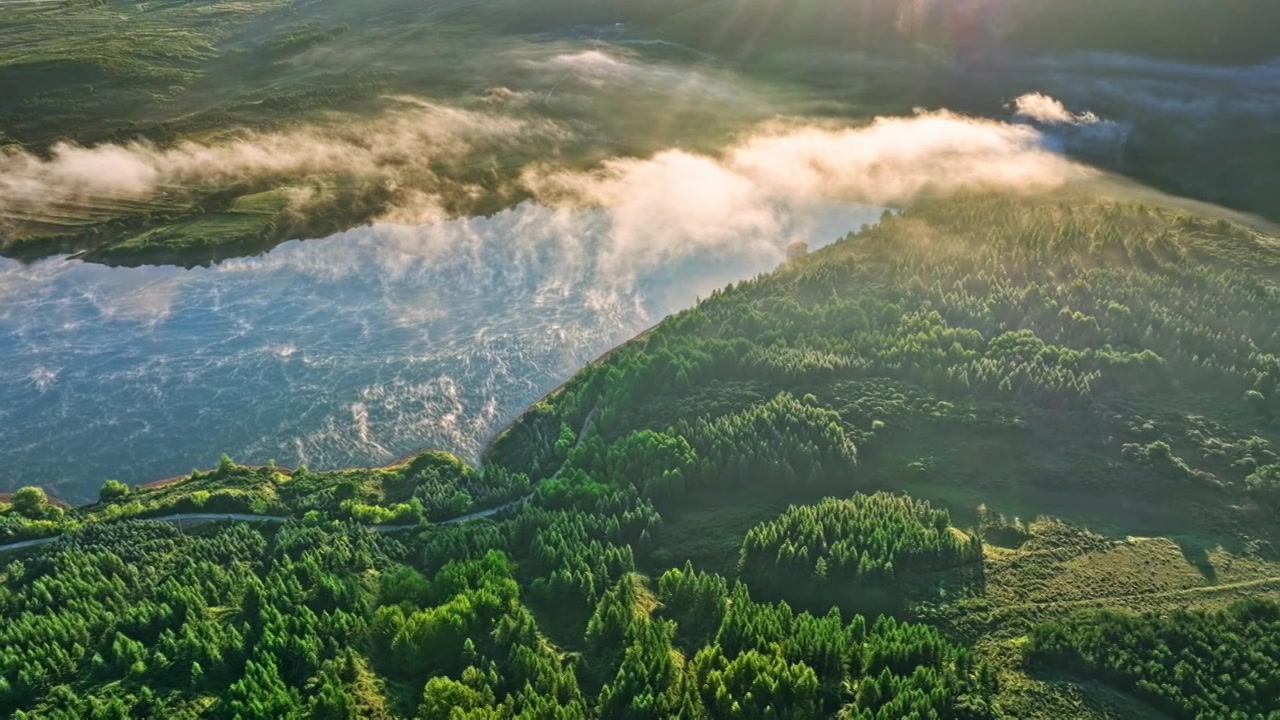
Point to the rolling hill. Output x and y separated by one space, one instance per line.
991 457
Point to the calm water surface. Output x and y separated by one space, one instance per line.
350 350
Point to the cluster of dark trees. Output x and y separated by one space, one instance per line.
870 539
747 659
1265 483
139 619
1187 664
577 552
771 444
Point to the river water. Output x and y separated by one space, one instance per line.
348 350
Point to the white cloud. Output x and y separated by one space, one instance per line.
677 203
402 140
588 62
747 200
1050 111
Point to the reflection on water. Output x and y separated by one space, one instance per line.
351 350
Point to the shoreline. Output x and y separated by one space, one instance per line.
397 462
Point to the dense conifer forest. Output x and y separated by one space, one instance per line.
965 463
869 541
1189 664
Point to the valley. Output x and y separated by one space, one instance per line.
700 359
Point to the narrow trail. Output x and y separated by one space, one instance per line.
582 434
1202 590
181 518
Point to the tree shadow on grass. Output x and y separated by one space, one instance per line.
1066 695
1197 556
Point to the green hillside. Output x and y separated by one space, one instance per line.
990 458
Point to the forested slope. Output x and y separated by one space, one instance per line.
1189 664
897 478
1152 333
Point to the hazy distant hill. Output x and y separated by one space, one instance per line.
1216 32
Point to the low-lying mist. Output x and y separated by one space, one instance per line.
674 189
572 120
618 182
426 331
396 147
